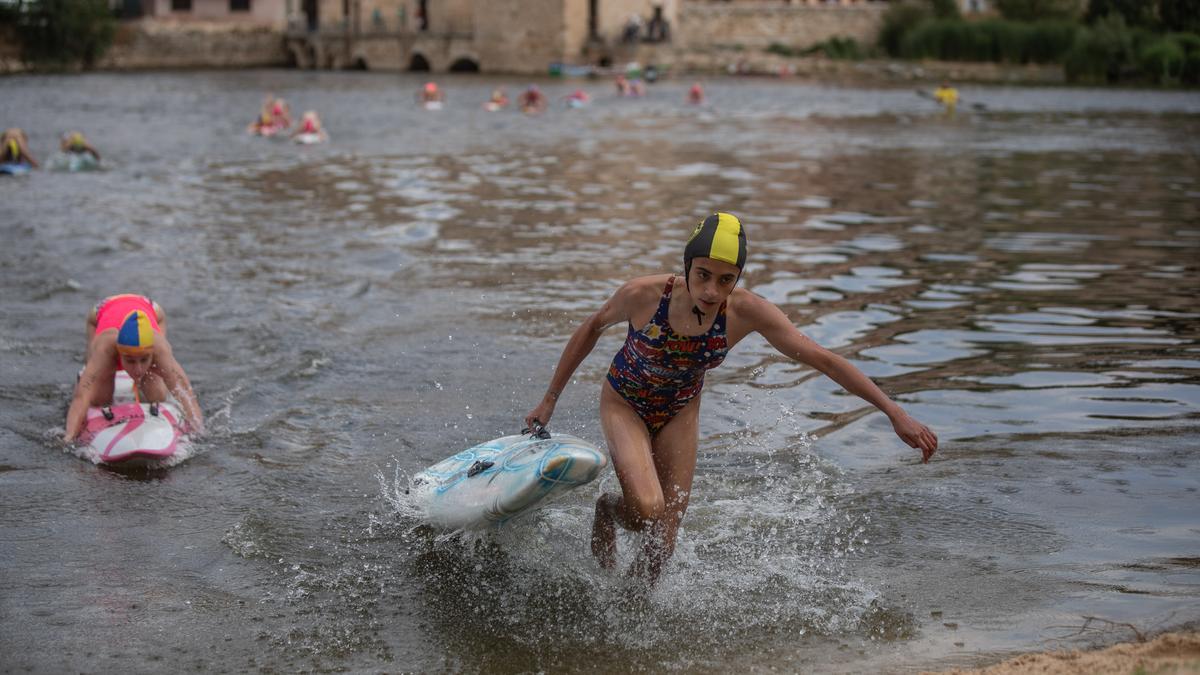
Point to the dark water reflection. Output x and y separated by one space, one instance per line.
1023 278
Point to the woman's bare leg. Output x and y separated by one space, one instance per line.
641 500
674 453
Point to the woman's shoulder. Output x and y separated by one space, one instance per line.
749 305
650 283
642 290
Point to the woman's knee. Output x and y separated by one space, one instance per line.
644 510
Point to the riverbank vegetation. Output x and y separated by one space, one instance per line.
60 34
1113 41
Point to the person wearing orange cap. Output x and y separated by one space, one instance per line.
431 95
129 332
695 95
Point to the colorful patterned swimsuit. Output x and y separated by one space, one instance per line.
658 371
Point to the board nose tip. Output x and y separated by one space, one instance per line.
554 467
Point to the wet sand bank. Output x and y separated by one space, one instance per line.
1167 654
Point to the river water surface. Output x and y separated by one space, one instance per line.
1022 276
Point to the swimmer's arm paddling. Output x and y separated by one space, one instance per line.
77 412
95 153
25 153
773 325
91 328
616 309
178 384
161 315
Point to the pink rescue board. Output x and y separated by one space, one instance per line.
135 435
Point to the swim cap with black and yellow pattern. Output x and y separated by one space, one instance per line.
720 237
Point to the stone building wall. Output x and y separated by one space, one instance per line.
387 15
451 16
193 44
331 14
264 12
757 25
521 36
611 17
364 16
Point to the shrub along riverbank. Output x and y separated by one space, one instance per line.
1116 41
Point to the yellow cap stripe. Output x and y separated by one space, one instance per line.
725 240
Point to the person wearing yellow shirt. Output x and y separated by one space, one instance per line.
947 96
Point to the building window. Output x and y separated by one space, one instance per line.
181 5
239 5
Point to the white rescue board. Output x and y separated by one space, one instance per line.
128 433
488 485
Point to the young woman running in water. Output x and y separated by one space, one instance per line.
678 328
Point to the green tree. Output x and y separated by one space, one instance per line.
1101 53
945 9
900 18
60 33
1180 15
1134 12
1163 61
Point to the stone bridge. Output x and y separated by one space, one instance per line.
383 50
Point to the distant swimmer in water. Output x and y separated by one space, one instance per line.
129 332
532 101
578 98
622 84
273 117
310 129
498 101
695 95
281 113
431 96
14 148
678 328
74 142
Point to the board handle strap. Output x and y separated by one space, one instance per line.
537 429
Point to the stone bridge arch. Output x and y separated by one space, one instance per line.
436 53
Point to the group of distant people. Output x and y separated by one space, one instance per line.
658 29
14 147
533 100
275 117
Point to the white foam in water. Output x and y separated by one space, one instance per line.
762 548
395 492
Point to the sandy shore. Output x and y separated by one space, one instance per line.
1168 654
